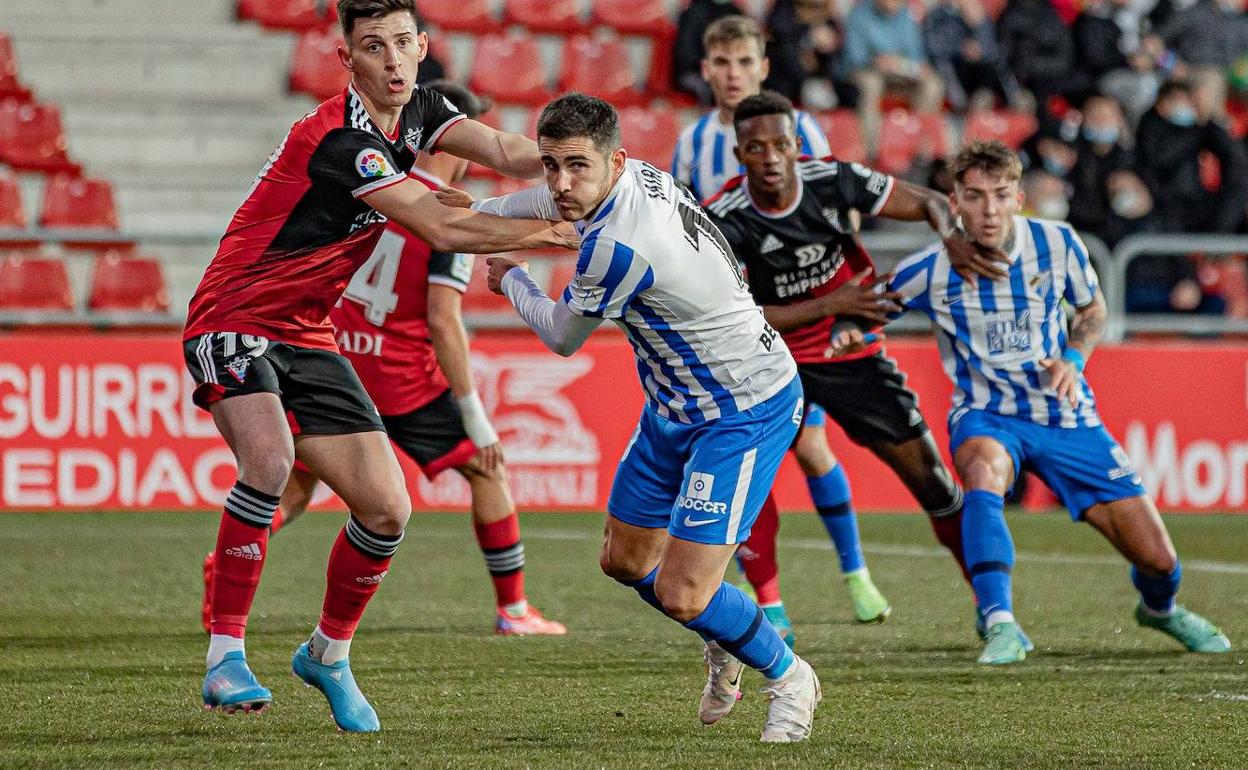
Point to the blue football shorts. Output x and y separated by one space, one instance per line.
1083 466
705 483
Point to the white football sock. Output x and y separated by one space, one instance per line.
326 650
220 644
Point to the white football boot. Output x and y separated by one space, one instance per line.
791 710
723 684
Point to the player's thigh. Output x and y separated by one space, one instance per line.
362 469
1135 528
689 575
1084 467
255 428
300 488
987 454
433 435
731 468
811 448
917 462
650 475
867 398
630 552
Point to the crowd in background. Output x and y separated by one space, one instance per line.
1131 99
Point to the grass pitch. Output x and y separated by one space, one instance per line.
101 656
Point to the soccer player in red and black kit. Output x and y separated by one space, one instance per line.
400 325
260 347
789 223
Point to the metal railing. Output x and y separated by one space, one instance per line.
888 247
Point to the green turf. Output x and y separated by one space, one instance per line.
101 656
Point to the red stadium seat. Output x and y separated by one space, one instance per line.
128 283
12 214
844 134
293 15
34 283
79 203
600 68
905 137
32 137
641 17
315 68
562 17
1013 128
459 16
650 135
10 86
478 298
509 68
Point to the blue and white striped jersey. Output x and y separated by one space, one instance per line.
652 262
704 159
992 335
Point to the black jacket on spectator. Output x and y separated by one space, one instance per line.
1097 48
1169 163
1090 208
1040 50
687 55
787 44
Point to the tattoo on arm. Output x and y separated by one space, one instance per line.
1088 326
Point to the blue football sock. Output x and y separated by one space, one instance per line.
1158 592
645 589
833 500
989 550
739 626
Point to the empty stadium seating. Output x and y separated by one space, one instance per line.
844 134
460 16
641 17
10 86
600 67
126 283
34 283
550 16
12 214
79 203
282 14
650 134
906 137
32 137
509 68
1013 128
315 68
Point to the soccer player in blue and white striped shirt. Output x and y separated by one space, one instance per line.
723 401
1020 400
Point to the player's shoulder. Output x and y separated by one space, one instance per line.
730 198
921 262
1051 233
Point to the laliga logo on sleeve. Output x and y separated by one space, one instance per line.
372 164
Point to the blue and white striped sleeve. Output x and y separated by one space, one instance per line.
1081 281
608 276
682 157
814 143
913 280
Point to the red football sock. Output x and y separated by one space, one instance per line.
758 554
948 531
242 541
357 564
504 557
279 521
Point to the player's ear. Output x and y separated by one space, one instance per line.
706 69
344 56
766 67
618 158
953 200
422 41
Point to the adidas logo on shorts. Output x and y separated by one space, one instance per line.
249 552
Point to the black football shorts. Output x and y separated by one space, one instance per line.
867 397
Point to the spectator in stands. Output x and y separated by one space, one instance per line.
1108 49
884 48
687 55
962 44
1040 50
1170 140
1169 284
1107 198
805 46
1199 44
1044 196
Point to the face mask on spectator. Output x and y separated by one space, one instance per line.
1101 135
1052 208
1183 115
1054 166
1126 204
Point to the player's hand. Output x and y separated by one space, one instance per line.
490 458
850 339
498 268
863 297
566 236
972 260
449 196
1063 378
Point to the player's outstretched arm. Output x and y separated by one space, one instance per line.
413 206
509 154
861 297
1086 331
912 203
450 345
560 329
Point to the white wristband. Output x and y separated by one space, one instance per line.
476 424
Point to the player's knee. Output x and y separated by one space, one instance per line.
387 513
681 602
985 473
266 471
1159 561
618 567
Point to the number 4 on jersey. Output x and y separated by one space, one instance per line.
373 284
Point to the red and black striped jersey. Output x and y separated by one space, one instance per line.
304 228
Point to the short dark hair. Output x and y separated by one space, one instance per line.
464 100
733 29
1172 87
990 157
576 114
349 11
760 104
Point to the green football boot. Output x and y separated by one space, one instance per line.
1004 645
1189 629
870 606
